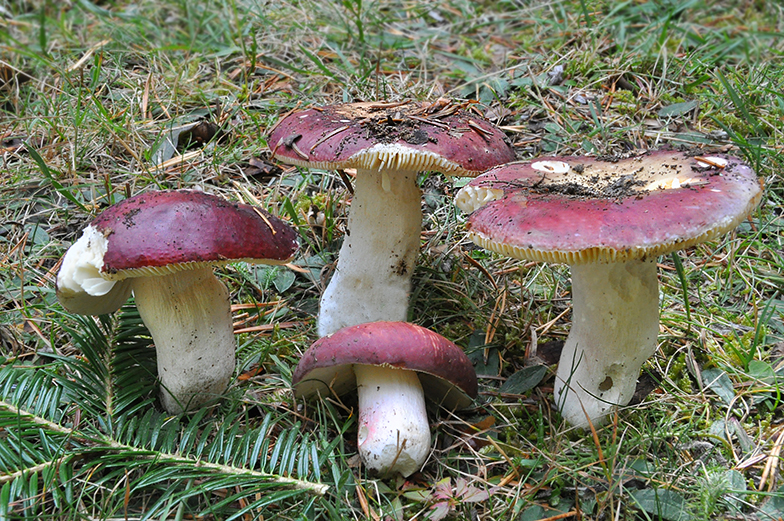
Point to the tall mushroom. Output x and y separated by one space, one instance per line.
394 366
163 246
388 144
608 221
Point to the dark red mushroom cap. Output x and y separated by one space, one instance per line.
446 373
594 210
165 231
418 136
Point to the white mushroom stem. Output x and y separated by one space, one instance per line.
372 280
189 317
394 434
615 324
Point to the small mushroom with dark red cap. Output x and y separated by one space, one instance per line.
388 144
393 366
609 221
163 246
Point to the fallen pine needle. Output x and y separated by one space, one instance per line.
266 327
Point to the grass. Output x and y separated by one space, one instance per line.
100 99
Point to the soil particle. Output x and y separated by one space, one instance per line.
388 130
594 188
129 218
401 268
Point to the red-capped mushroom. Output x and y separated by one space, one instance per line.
393 366
608 221
163 246
388 144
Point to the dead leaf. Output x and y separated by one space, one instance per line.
648 381
470 432
550 352
497 113
198 135
12 144
255 370
258 167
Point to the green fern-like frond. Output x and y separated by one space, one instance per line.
86 426
117 372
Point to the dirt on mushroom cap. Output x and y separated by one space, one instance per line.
337 136
611 211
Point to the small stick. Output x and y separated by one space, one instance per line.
264 218
389 105
772 463
327 136
707 161
479 130
346 181
429 121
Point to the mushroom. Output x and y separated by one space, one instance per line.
393 366
388 144
162 246
608 221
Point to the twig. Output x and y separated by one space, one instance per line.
266 327
571 513
346 181
327 136
264 218
772 463
710 162
34 469
428 121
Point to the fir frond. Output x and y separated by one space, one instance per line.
86 424
117 372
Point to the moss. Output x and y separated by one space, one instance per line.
625 96
306 202
626 109
583 64
669 99
733 122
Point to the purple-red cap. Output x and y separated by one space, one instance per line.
417 136
446 373
583 209
165 231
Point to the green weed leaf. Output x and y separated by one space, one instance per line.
523 380
50 177
678 109
661 503
718 381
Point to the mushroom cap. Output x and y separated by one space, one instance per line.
157 233
409 135
446 373
582 209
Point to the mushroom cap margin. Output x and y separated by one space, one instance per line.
370 136
161 232
532 221
446 373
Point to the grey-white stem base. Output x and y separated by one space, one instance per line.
372 279
615 324
394 434
189 317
